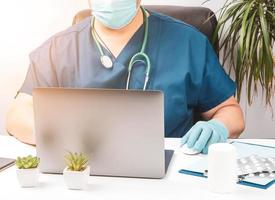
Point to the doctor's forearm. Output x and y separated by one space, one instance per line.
232 117
20 120
21 129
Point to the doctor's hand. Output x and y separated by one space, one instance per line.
205 133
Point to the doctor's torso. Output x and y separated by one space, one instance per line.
178 55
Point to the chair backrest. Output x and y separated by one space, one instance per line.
201 18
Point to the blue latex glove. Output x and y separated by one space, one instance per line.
203 134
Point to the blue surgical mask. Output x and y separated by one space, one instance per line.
114 14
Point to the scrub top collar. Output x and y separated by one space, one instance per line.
132 47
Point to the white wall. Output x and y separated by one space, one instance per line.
25 24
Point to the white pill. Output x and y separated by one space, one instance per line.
259 169
262 175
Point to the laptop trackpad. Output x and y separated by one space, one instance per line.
168 157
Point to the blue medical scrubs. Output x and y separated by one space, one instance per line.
184 66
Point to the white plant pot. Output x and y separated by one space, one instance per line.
28 177
76 180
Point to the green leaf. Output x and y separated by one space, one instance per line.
244 26
28 162
247 31
265 33
76 161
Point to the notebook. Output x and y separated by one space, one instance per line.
5 163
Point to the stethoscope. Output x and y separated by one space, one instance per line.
141 56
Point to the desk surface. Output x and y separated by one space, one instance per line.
173 186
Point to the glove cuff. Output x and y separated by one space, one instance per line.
221 127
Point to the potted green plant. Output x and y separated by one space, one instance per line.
77 172
247 36
27 171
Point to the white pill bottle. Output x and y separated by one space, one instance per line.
222 168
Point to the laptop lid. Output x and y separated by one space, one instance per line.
122 131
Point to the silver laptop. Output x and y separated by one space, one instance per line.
121 131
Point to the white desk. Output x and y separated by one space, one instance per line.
174 186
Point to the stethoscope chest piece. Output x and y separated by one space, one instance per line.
106 61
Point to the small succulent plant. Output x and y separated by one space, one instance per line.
76 161
29 162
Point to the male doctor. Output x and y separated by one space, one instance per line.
184 67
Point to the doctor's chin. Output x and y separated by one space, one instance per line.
167 96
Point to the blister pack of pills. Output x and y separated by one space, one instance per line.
255 165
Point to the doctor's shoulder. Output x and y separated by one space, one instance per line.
61 39
178 30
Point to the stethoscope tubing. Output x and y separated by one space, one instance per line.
138 57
